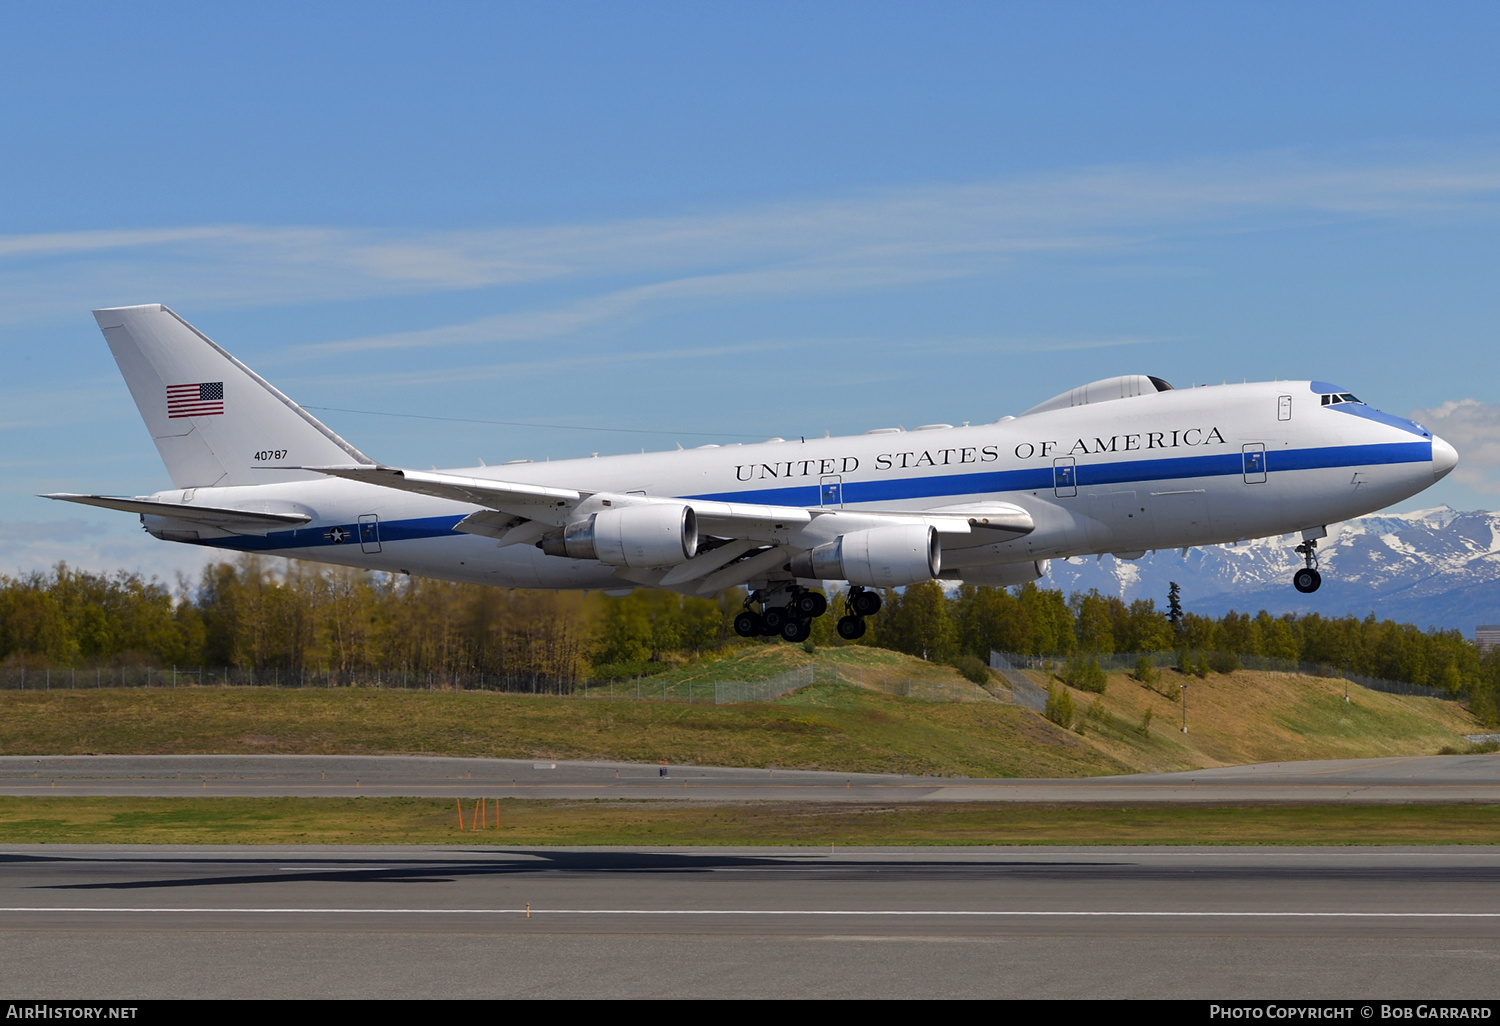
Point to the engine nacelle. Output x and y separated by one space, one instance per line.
883 557
659 534
1002 575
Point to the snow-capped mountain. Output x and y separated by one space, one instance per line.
1433 567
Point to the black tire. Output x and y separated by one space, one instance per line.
774 618
1307 581
851 627
812 603
796 630
748 624
865 603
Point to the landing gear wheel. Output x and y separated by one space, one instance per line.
775 617
812 603
865 603
748 624
796 630
1306 581
851 627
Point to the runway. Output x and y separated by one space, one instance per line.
1451 778
879 923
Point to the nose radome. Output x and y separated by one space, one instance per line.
1444 458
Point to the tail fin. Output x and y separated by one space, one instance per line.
214 420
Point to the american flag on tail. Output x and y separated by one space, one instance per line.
202 399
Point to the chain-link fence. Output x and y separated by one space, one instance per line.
1023 690
874 678
24 679
662 688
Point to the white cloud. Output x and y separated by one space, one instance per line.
866 240
1473 428
532 325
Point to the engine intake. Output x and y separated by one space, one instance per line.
660 534
883 557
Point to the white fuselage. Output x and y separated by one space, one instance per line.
1166 470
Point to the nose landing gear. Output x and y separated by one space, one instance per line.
1308 579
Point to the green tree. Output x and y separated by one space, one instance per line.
1059 708
916 621
1051 620
988 618
1096 615
1145 629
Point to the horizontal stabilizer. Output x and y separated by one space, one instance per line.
211 516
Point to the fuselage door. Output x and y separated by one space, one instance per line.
1065 477
831 492
1254 457
1283 407
369 532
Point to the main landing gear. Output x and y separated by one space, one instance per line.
788 612
1307 579
857 606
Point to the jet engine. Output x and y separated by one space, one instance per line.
883 557
659 534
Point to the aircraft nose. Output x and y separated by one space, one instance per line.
1444 458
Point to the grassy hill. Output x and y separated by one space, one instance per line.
1250 716
855 717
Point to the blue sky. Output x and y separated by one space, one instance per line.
625 226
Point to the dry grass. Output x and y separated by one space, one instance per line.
1251 716
1236 718
532 822
823 727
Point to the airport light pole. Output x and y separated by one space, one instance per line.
1184 708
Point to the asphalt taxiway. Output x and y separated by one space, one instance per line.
1452 778
122 922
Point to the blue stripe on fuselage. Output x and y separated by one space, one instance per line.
1229 464
1033 479
317 537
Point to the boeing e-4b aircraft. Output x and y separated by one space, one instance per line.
1123 465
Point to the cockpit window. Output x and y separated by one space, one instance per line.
1344 397
1348 398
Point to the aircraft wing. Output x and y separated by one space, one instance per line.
241 521
558 506
533 502
750 538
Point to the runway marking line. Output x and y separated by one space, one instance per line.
988 913
442 790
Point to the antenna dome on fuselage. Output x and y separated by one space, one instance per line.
1126 386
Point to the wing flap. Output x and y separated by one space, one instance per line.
533 502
